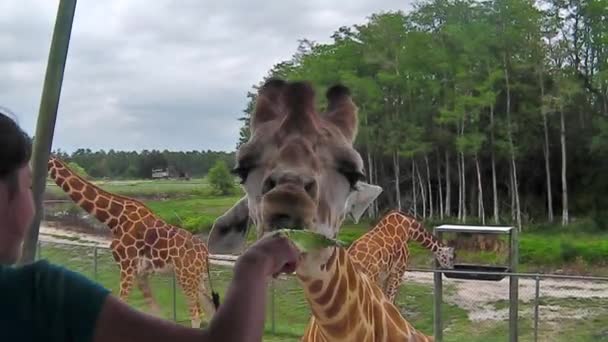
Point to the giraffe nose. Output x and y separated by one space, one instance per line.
280 221
291 180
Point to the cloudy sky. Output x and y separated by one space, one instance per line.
158 74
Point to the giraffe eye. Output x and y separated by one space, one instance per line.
242 173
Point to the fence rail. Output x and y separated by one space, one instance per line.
552 307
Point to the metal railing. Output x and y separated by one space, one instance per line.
552 307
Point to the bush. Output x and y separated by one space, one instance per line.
79 170
221 179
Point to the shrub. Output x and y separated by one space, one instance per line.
221 179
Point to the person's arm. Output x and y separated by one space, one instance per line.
239 318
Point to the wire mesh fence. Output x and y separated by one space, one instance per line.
550 307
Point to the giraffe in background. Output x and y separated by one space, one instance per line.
143 243
382 253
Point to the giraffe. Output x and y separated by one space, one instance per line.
299 169
382 252
143 243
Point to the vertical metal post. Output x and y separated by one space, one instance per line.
174 298
47 115
536 304
273 307
438 292
38 250
514 288
95 262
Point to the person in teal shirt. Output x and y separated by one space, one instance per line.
45 302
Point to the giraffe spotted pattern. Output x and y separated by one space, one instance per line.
143 243
382 253
347 305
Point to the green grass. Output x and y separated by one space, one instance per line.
291 314
142 188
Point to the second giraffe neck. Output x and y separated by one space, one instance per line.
413 229
346 304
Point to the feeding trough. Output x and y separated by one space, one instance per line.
479 272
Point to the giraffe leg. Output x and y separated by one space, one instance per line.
393 282
143 283
204 295
126 283
190 288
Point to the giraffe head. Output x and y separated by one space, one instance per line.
299 167
445 256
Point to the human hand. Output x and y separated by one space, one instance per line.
271 255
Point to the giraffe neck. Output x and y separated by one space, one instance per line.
104 206
415 231
345 303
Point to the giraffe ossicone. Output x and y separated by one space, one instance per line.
143 243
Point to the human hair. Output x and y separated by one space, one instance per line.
15 150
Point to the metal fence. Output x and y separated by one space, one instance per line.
550 308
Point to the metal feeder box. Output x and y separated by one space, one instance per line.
473 271
478 272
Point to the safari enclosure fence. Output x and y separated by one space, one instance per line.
550 308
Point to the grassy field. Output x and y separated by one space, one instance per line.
193 206
291 313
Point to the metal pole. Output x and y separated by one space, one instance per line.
38 250
438 289
514 288
95 262
273 307
174 298
47 115
536 304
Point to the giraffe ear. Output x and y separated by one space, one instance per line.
229 232
360 199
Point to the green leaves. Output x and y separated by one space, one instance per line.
308 241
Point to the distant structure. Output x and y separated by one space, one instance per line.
170 173
160 173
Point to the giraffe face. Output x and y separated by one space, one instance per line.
445 256
229 232
299 167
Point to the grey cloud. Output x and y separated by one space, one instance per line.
161 74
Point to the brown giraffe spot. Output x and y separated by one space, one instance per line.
88 206
140 244
76 184
179 240
127 239
53 173
352 277
65 187
164 254
131 252
113 223
116 208
102 216
160 244
326 296
158 263
64 173
76 196
142 212
103 202
120 250
89 194
150 236
339 298
125 264
173 252
316 286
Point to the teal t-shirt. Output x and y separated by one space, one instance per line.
44 302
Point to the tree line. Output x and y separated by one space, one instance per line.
494 111
138 165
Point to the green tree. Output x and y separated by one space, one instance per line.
79 170
221 179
